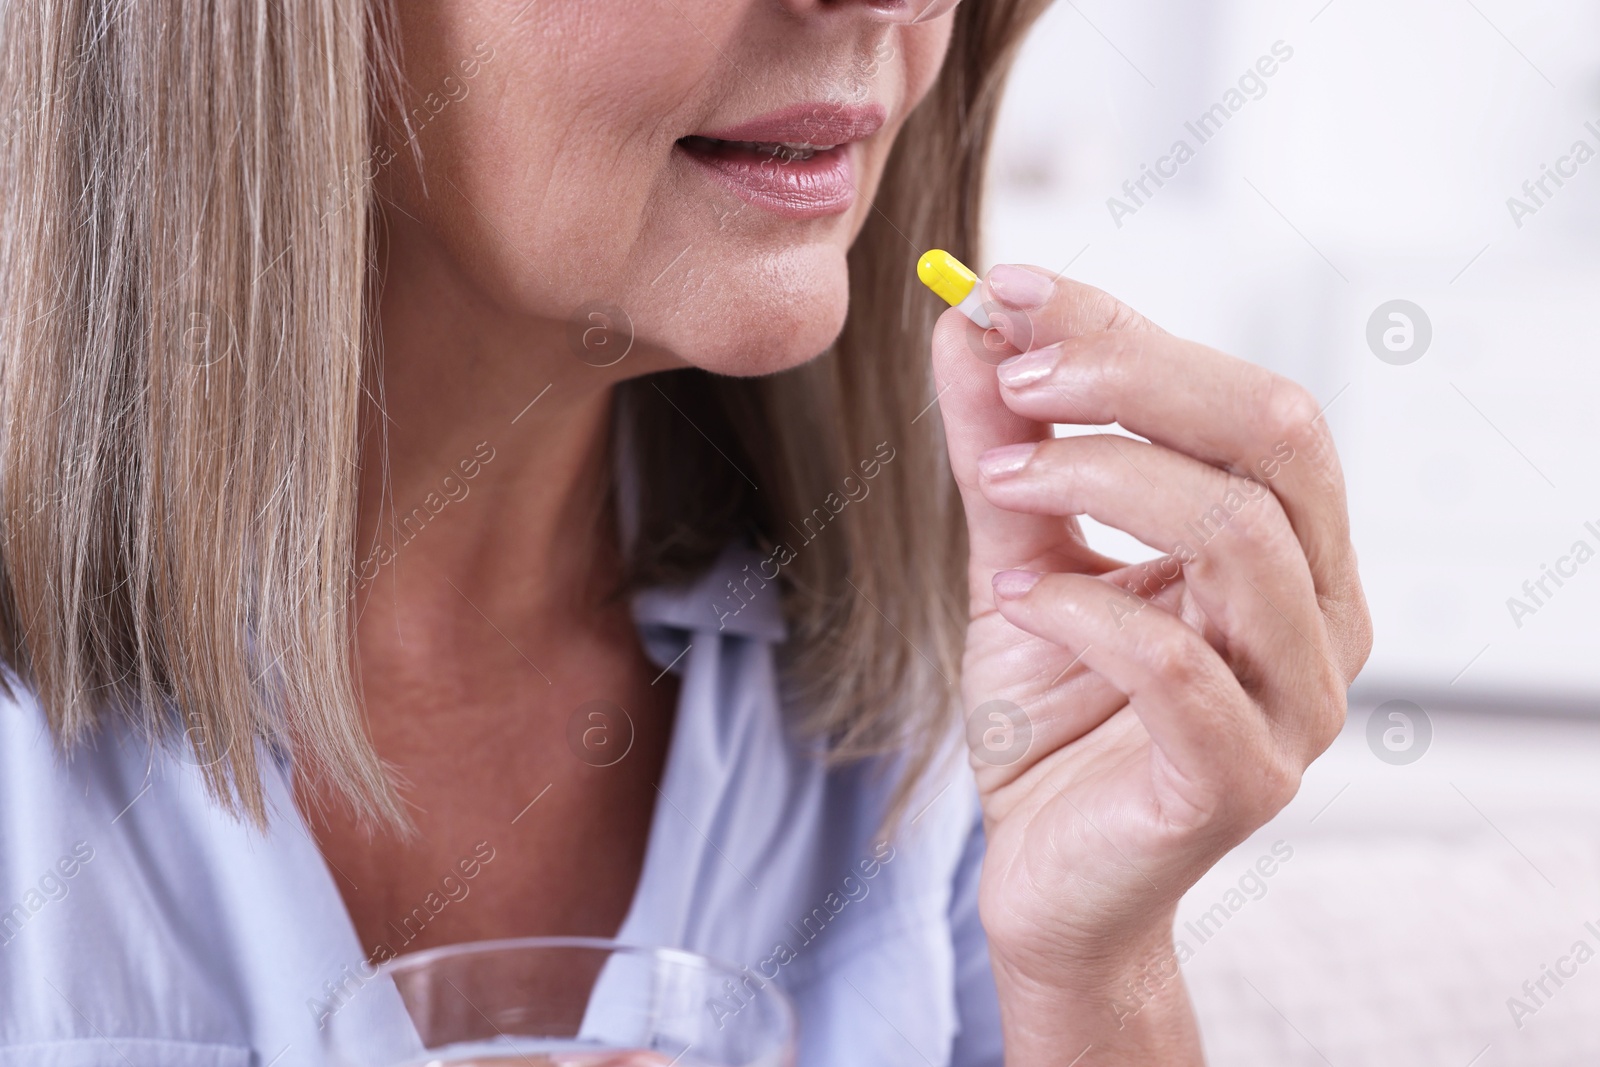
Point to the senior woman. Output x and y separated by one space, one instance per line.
483 469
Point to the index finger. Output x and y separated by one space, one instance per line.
1035 307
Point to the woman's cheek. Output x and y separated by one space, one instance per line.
922 54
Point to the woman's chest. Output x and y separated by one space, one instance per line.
528 848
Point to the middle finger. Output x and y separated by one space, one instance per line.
1237 552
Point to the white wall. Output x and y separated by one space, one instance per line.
1376 166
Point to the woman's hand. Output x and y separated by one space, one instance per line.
1130 724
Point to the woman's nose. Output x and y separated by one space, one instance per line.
881 10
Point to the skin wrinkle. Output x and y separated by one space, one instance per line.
618 195
556 181
1218 741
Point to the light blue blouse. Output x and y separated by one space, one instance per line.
142 927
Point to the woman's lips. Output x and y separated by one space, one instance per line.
796 163
790 186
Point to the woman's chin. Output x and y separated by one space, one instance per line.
749 345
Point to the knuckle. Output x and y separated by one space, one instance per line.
1122 318
1094 310
1293 416
1291 409
1360 641
1349 625
1173 657
1261 519
1201 564
1331 719
1280 782
1106 362
1267 782
1364 644
1104 454
1264 782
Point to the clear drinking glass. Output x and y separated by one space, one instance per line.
542 1001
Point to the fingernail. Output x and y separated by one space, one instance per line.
1006 460
1012 584
1029 367
1020 287
1013 328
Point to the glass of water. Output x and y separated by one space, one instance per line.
546 1001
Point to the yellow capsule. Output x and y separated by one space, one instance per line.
946 275
954 283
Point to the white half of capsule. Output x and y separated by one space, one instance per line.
972 307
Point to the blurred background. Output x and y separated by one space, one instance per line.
1397 161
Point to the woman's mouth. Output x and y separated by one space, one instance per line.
795 163
754 151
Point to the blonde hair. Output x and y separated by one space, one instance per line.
186 232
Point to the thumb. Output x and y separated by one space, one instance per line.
976 420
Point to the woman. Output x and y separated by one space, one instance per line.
429 519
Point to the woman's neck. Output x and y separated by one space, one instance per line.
485 458
486 553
